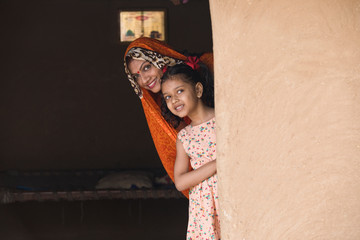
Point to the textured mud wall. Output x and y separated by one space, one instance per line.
288 118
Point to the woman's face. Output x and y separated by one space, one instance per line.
146 74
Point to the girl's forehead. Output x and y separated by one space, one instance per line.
174 82
176 79
181 78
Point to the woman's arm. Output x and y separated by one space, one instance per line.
184 178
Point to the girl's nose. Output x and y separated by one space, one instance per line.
174 99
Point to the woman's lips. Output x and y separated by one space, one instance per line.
152 84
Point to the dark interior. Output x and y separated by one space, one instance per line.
66 105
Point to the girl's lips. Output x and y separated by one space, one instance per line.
179 108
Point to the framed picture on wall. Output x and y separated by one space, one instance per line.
142 23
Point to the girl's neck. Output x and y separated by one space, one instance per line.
203 114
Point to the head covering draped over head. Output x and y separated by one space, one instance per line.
163 134
153 51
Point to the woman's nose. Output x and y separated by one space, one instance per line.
145 76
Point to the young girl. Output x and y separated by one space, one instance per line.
185 94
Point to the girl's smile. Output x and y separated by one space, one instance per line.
179 108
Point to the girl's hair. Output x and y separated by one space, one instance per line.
191 76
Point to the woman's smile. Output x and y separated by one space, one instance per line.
153 83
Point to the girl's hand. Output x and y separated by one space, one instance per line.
185 179
212 166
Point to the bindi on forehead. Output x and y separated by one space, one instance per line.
135 66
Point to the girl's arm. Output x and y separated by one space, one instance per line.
184 178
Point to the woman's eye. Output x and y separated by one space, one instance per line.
147 67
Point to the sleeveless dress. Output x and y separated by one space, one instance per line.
200 145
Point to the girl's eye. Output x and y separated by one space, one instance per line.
167 98
180 91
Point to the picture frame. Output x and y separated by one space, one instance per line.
142 23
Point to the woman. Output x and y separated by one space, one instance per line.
144 61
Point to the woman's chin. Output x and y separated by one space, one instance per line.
155 89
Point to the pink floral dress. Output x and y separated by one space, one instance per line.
200 145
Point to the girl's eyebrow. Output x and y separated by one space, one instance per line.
164 93
179 87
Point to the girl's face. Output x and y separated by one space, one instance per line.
146 74
180 96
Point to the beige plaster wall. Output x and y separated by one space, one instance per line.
288 118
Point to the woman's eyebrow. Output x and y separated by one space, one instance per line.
138 72
141 66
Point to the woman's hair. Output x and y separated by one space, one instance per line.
191 76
